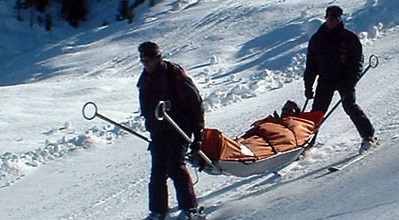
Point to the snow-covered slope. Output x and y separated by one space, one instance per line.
246 57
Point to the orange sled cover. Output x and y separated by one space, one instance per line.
266 138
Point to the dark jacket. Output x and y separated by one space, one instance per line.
335 55
171 83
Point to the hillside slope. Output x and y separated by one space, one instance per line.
247 59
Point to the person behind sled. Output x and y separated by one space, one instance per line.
162 80
335 55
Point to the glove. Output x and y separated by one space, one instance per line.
196 161
309 94
193 158
195 146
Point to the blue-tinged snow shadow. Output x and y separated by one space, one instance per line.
275 49
32 65
374 13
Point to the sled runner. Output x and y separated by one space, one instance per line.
269 145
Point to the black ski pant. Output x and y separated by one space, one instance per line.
167 154
323 97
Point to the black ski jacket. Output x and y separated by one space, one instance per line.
171 83
335 55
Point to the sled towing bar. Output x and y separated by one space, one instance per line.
160 114
89 112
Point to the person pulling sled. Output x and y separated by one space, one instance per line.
162 80
335 55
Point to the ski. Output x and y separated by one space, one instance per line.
354 159
347 163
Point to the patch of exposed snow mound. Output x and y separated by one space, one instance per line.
14 166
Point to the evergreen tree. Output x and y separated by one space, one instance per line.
18 6
123 10
153 3
48 22
74 11
41 5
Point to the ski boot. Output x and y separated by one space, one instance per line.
157 216
192 214
367 144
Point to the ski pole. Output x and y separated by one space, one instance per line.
373 63
95 113
160 114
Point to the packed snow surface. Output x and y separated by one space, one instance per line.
246 57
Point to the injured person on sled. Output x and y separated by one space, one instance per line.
270 144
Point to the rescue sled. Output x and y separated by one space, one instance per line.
271 144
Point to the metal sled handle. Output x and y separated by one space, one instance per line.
92 114
373 61
161 108
89 112
160 115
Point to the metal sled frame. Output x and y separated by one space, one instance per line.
247 168
237 167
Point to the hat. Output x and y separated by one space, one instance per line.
149 49
290 108
334 11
